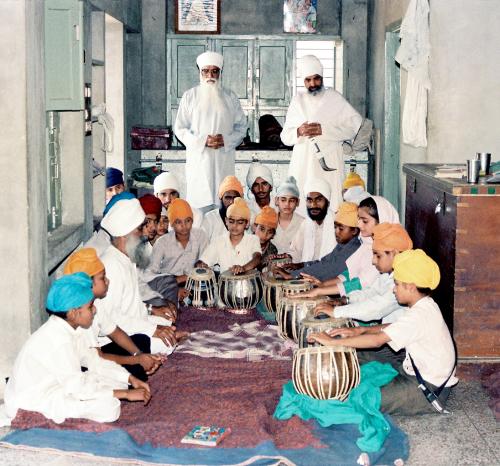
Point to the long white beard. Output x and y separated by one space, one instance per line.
137 251
211 97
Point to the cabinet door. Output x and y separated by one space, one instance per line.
64 55
274 72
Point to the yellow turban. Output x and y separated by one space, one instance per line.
353 179
347 214
391 237
238 209
230 183
267 217
415 266
84 260
179 208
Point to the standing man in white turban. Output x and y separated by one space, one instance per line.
210 123
319 118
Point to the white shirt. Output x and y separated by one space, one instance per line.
373 303
205 167
47 377
422 332
213 224
221 251
284 236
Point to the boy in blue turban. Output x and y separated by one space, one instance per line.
47 375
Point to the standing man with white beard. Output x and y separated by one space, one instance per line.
210 123
318 118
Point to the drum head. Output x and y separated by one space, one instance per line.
228 275
201 273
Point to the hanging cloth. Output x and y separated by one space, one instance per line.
413 56
108 124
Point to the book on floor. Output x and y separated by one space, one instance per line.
209 436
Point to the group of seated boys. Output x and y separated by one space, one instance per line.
113 311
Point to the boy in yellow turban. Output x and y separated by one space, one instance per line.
129 351
376 301
235 249
427 374
264 228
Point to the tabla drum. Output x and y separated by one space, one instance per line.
295 286
240 292
319 324
291 313
325 372
273 290
202 287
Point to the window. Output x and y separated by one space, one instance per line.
330 54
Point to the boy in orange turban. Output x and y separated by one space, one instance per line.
427 375
235 249
129 351
264 228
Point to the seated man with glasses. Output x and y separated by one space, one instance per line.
234 249
211 124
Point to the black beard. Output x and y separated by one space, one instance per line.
222 213
318 217
315 89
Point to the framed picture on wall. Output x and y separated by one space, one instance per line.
197 16
300 16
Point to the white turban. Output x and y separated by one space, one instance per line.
356 194
386 211
257 170
309 65
317 185
210 59
124 217
166 180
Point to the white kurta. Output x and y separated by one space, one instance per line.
339 122
284 237
47 377
123 304
213 224
206 168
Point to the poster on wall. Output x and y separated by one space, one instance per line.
300 16
197 16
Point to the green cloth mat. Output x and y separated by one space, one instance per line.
262 310
361 408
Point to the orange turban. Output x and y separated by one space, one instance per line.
415 266
353 179
347 214
179 208
391 237
267 217
84 260
230 183
238 209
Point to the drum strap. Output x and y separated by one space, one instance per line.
433 396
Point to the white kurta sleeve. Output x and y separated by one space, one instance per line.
210 255
234 138
183 128
297 245
294 118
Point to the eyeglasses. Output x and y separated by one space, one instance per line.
210 71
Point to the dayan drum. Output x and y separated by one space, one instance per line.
325 372
202 287
240 292
291 313
319 324
295 286
273 290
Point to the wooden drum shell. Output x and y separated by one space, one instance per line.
325 373
202 287
273 291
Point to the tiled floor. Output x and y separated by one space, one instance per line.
469 436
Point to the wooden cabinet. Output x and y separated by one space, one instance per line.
458 225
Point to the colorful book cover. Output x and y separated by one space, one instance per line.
209 436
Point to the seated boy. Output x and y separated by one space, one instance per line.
129 351
421 331
376 301
47 376
234 250
264 228
176 252
289 221
333 264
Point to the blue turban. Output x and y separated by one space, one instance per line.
70 292
115 199
113 177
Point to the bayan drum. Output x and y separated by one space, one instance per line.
319 324
240 292
272 293
295 286
202 287
325 372
292 311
